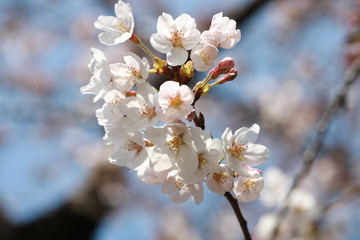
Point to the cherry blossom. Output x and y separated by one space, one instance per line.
208 157
104 78
179 191
109 115
174 148
204 56
147 175
222 32
139 110
174 101
240 150
129 147
116 29
248 189
134 70
220 180
175 37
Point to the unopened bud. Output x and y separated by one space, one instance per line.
231 75
186 72
187 69
223 67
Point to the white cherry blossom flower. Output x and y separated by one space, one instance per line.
174 147
240 150
179 191
208 157
248 189
175 37
224 30
129 147
174 101
220 180
116 29
134 70
109 115
147 175
104 78
204 56
140 110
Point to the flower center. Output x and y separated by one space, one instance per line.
176 37
175 143
201 160
175 101
180 185
121 26
249 185
238 150
131 145
205 57
220 178
134 72
147 111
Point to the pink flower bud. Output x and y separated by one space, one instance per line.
224 66
231 75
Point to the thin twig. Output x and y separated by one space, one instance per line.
313 148
243 223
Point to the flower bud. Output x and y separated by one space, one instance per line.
224 66
231 75
186 72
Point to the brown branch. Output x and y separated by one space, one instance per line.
242 221
322 127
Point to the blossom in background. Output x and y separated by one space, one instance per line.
175 37
220 180
116 29
129 147
179 191
247 189
174 101
103 80
240 150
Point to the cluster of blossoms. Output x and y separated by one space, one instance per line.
146 125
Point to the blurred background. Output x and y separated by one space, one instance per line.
56 182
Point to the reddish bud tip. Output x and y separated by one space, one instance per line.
223 67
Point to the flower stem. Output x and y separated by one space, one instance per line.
242 221
135 39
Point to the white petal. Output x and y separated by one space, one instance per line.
197 192
177 56
161 44
256 154
192 40
165 25
227 137
245 135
